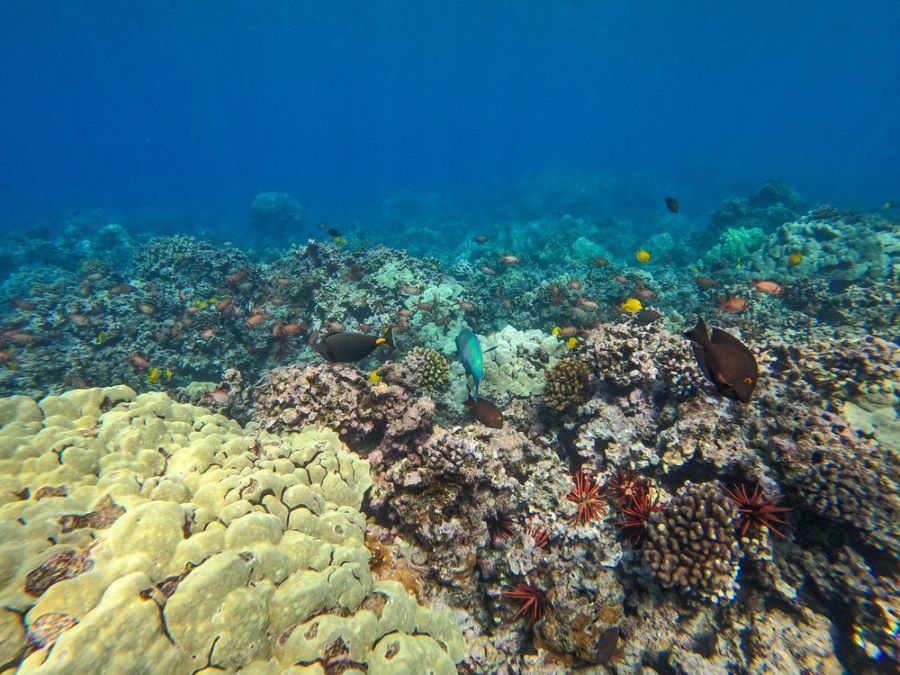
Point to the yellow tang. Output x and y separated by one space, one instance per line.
555 331
632 305
642 255
374 377
571 342
795 258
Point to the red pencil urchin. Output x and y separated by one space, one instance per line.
540 534
532 600
756 511
637 513
588 496
500 526
626 485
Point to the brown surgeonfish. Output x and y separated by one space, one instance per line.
348 347
485 412
672 204
725 361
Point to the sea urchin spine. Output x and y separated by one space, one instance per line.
587 496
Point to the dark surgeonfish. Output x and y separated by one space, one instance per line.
725 361
470 354
485 412
672 204
348 347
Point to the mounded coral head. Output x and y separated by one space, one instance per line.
568 385
692 544
431 364
276 213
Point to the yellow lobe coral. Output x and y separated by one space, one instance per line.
632 305
642 255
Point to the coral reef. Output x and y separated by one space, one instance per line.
568 385
691 544
229 548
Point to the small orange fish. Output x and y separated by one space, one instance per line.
254 320
584 303
510 259
488 270
600 262
209 333
574 284
424 306
621 279
481 238
732 304
139 361
466 306
409 290
767 287
122 289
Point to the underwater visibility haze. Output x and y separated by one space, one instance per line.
400 337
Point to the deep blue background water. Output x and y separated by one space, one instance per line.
185 110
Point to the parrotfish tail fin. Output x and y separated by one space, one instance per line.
699 334
475 393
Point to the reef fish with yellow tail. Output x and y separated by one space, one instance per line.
349 347
470 354
485 412
725 360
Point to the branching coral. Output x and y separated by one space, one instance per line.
434 368
692 544
568 385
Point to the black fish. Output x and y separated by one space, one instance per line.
726 361
485 412
349 347
607 644
333 232
647 316
672 204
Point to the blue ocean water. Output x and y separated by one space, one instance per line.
174 115
475 337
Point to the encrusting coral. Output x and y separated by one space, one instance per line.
140 535
692 544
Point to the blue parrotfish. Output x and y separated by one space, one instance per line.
470 354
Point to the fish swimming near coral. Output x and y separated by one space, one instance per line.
706 282
725 360
485 412
642 255
349 347
732 304
767 287
672 204
470 354
632 306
